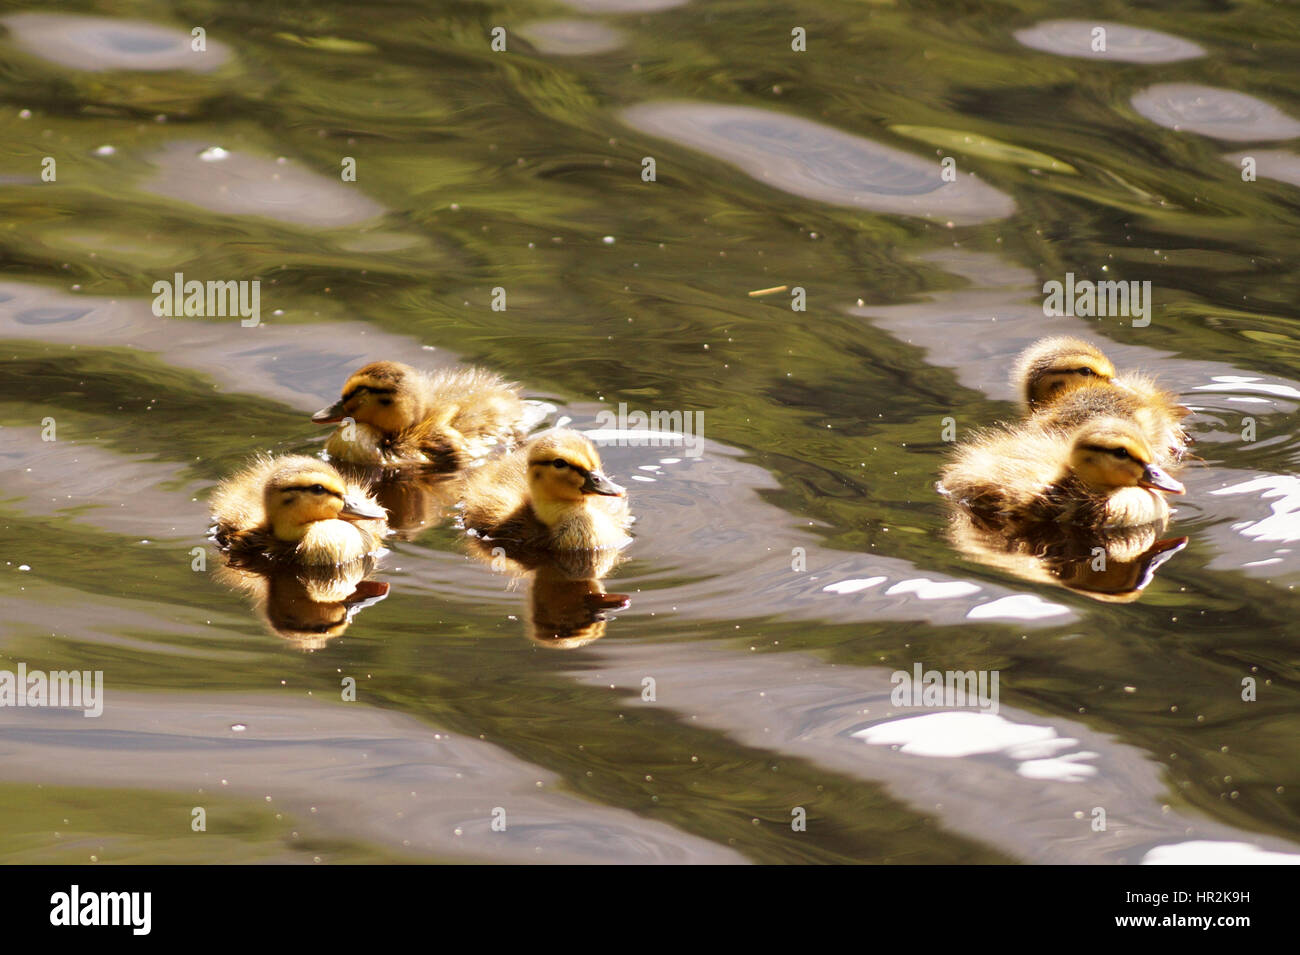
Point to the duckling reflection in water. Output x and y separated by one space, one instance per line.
1064 382
567 606
401 416
566 612
296 510
547 498
1099 475
307 606
416 500
1110 565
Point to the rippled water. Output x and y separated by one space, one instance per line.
786 566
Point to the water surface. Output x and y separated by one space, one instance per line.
779 578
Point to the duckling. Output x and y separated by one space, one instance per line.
549 496
297 509
1134 397
403 416
1101 474
1052 367
1066 381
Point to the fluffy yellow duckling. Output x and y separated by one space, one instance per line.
1066 381
298 509
403 416
1052 367
1101 474
548 496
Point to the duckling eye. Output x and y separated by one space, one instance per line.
317 489
560 464
1120 453
1086 372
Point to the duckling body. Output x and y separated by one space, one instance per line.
1101 474
1064 382
295 509
402 416
548 497
1135 398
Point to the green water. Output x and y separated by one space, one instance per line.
522 170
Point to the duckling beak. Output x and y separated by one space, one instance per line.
359 509
329 415
1153 477
597 483
600 603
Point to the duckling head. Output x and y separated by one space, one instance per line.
1049 368
300 495
563 471
384 395
1109 453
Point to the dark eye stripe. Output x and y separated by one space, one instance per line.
550 462
1115 452
308 487
356 390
